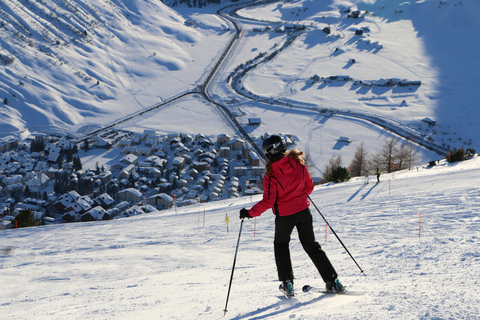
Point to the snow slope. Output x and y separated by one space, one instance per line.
177 265
76 65
143 52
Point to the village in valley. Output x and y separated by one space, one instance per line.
147 172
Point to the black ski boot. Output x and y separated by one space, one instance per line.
287 288
334 285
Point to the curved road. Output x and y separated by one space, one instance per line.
229 13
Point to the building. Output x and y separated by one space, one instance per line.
130 195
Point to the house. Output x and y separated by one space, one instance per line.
223 139
429 121
104 200
130 195
81 205
127 171
95 214
105 176
178 162
224 152
160 200
253 158
129 159
255 121
8 143
236 144
65 201
133 211
200 166
344 139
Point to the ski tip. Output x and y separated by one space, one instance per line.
306 288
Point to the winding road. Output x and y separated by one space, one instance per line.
230 13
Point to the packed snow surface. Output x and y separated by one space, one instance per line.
415 235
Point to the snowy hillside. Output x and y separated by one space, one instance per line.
75 66
416 236
72 66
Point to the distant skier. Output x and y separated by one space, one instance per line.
378 175
366 176
286 187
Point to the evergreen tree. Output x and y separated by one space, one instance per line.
37 145
26 192
334 171
77 163
26 218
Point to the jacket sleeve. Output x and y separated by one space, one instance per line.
269 197
308 181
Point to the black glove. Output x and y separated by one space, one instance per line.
244 214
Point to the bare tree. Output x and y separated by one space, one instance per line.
384 158
406 157
359 162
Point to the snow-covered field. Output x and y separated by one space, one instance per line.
177 265
144 52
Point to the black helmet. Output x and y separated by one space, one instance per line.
274 146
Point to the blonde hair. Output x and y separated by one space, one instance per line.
293 153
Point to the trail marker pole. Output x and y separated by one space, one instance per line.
227 220
420 225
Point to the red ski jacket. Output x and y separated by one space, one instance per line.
285 190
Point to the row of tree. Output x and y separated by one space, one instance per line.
393 156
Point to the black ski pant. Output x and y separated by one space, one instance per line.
283 230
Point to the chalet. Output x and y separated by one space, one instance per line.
223 139
129 159
127 171
178 162
236 144
130 195
104 200
133 211
95 214
8 143
161 200
81 205
66 144
102 143
54 155
255 121
105 176
344 139
200 166
224 152
253 158
69 217
429 121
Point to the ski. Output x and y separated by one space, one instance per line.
308 288
286 293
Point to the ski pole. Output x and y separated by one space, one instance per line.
233 268
337 236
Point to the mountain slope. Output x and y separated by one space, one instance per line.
415 235
69 64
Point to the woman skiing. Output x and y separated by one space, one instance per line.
286 187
